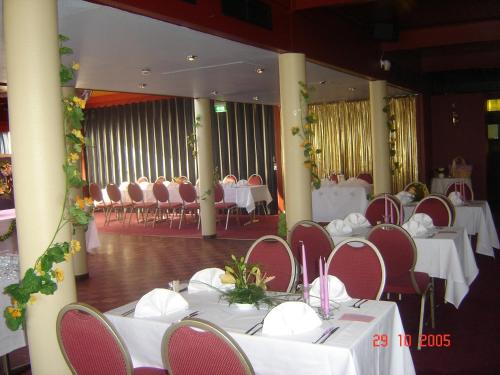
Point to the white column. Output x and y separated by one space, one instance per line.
380 138
36 126
205 167
296 177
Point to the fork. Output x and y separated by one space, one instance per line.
257 327
325 335
192 315
359 302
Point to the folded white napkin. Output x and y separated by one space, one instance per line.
336 291
124 185
145 185
338 227
206 280
423 219
159 302
456 198
356 220
414 228
290 318
405 197
242 183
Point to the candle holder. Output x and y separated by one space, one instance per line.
325 315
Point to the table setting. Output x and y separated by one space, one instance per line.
283 334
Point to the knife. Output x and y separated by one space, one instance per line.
332 331
326 334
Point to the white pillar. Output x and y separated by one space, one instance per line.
205 167
380 138
297 178
36 127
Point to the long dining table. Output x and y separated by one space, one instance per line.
446 254
368 340
475 216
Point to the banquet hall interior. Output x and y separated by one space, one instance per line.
329 104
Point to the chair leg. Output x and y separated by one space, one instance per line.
182 215
431 297
421 323
199 219
227 217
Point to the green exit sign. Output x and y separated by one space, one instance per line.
220 107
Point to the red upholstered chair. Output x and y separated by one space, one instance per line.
195 346
275 258
375 211
117 205
439 208
359 265
469 194
255 179
189 201
317 242
400 256
163 205
230 178
91 346
222 205
138 203
96 194
160 179
366 177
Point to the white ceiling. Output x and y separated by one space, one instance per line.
113 47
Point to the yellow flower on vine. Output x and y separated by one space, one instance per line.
15 313
67 257
79 102
59 274
78 134
38 268
73 157
75 66
75 246
80 203
88 201
32 300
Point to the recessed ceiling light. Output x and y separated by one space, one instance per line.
259 70
146 71
191 57
215 92
352 89
322 82
142 85
256 98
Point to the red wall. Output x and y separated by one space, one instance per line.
468 138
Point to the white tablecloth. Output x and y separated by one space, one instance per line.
9 340
6 217
331 202
439 185
447 255
349 351
246 196
476 218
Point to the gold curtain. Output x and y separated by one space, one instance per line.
343 132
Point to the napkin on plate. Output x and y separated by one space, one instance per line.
405 197
206 280
338 227
336 291
414 228
242 183
423 219
159 302
290 318
356 220
456 198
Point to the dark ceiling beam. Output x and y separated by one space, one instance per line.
478 32
460 59
308 4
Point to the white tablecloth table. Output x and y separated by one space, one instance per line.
446 255
336 201
439 185
9 340
246 196
476 218
6 217
349 351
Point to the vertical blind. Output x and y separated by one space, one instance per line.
150 139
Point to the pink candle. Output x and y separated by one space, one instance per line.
321 285
385 212
305 280
327 294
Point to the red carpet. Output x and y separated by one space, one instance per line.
267 224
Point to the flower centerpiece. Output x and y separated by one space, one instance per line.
249 283
5 179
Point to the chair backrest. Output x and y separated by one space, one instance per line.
135 192
218 193
95 192
398 251
160 179
230 178
187 192
255 179
317 242
334 177
160 192
359 265
142 179
89 343
181 179
456 186
195 346
275 258
366 177
375 211
439 208
114 193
